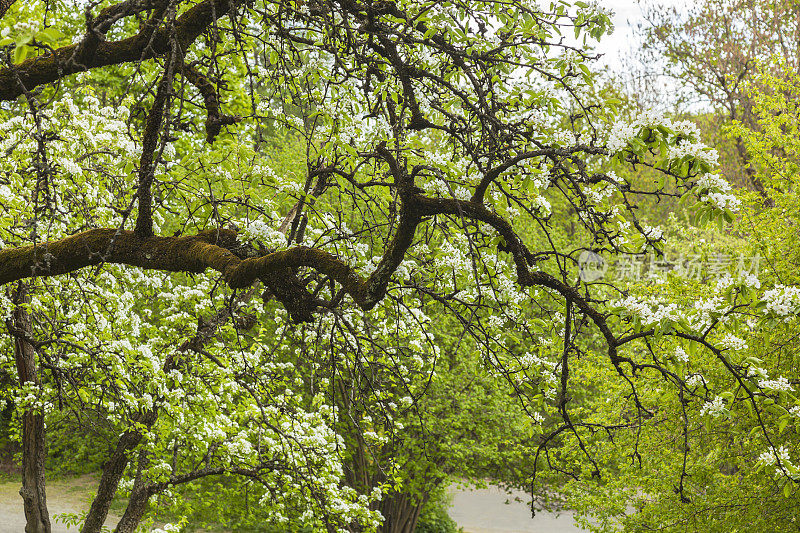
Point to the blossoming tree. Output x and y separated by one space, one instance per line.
166 276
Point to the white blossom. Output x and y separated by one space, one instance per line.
778 384
681 355
782 300
713 408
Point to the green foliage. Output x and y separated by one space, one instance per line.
454 160
686 468
434 517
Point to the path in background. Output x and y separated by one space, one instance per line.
477 511
486 511
63 496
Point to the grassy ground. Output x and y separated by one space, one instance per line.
71 495
65 494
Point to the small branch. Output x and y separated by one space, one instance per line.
5 5
214 119
144 220
522 258
494 173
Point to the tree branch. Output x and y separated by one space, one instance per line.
5 5
214 119
144 220
208 249
144 45
522 259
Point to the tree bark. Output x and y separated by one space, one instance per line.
112 473
137 507
109 481
400 514
33 434
5 5
94 53
137 503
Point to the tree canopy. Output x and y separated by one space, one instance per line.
287 242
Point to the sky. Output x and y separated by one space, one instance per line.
627 13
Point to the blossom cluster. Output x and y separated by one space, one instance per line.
714 408
781 300
716 191
649 313
683 145
620 134
782 460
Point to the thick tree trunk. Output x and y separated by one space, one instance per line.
33 433
112 473
137 504
400 514
33 486
137 507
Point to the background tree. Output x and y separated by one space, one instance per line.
736 485
713 49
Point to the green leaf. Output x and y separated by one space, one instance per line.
20 53
728 216
727 395
49 35
24 39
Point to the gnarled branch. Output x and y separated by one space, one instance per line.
196 253
214 119
144 45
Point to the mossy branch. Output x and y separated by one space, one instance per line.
93 53
214 118
208 249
